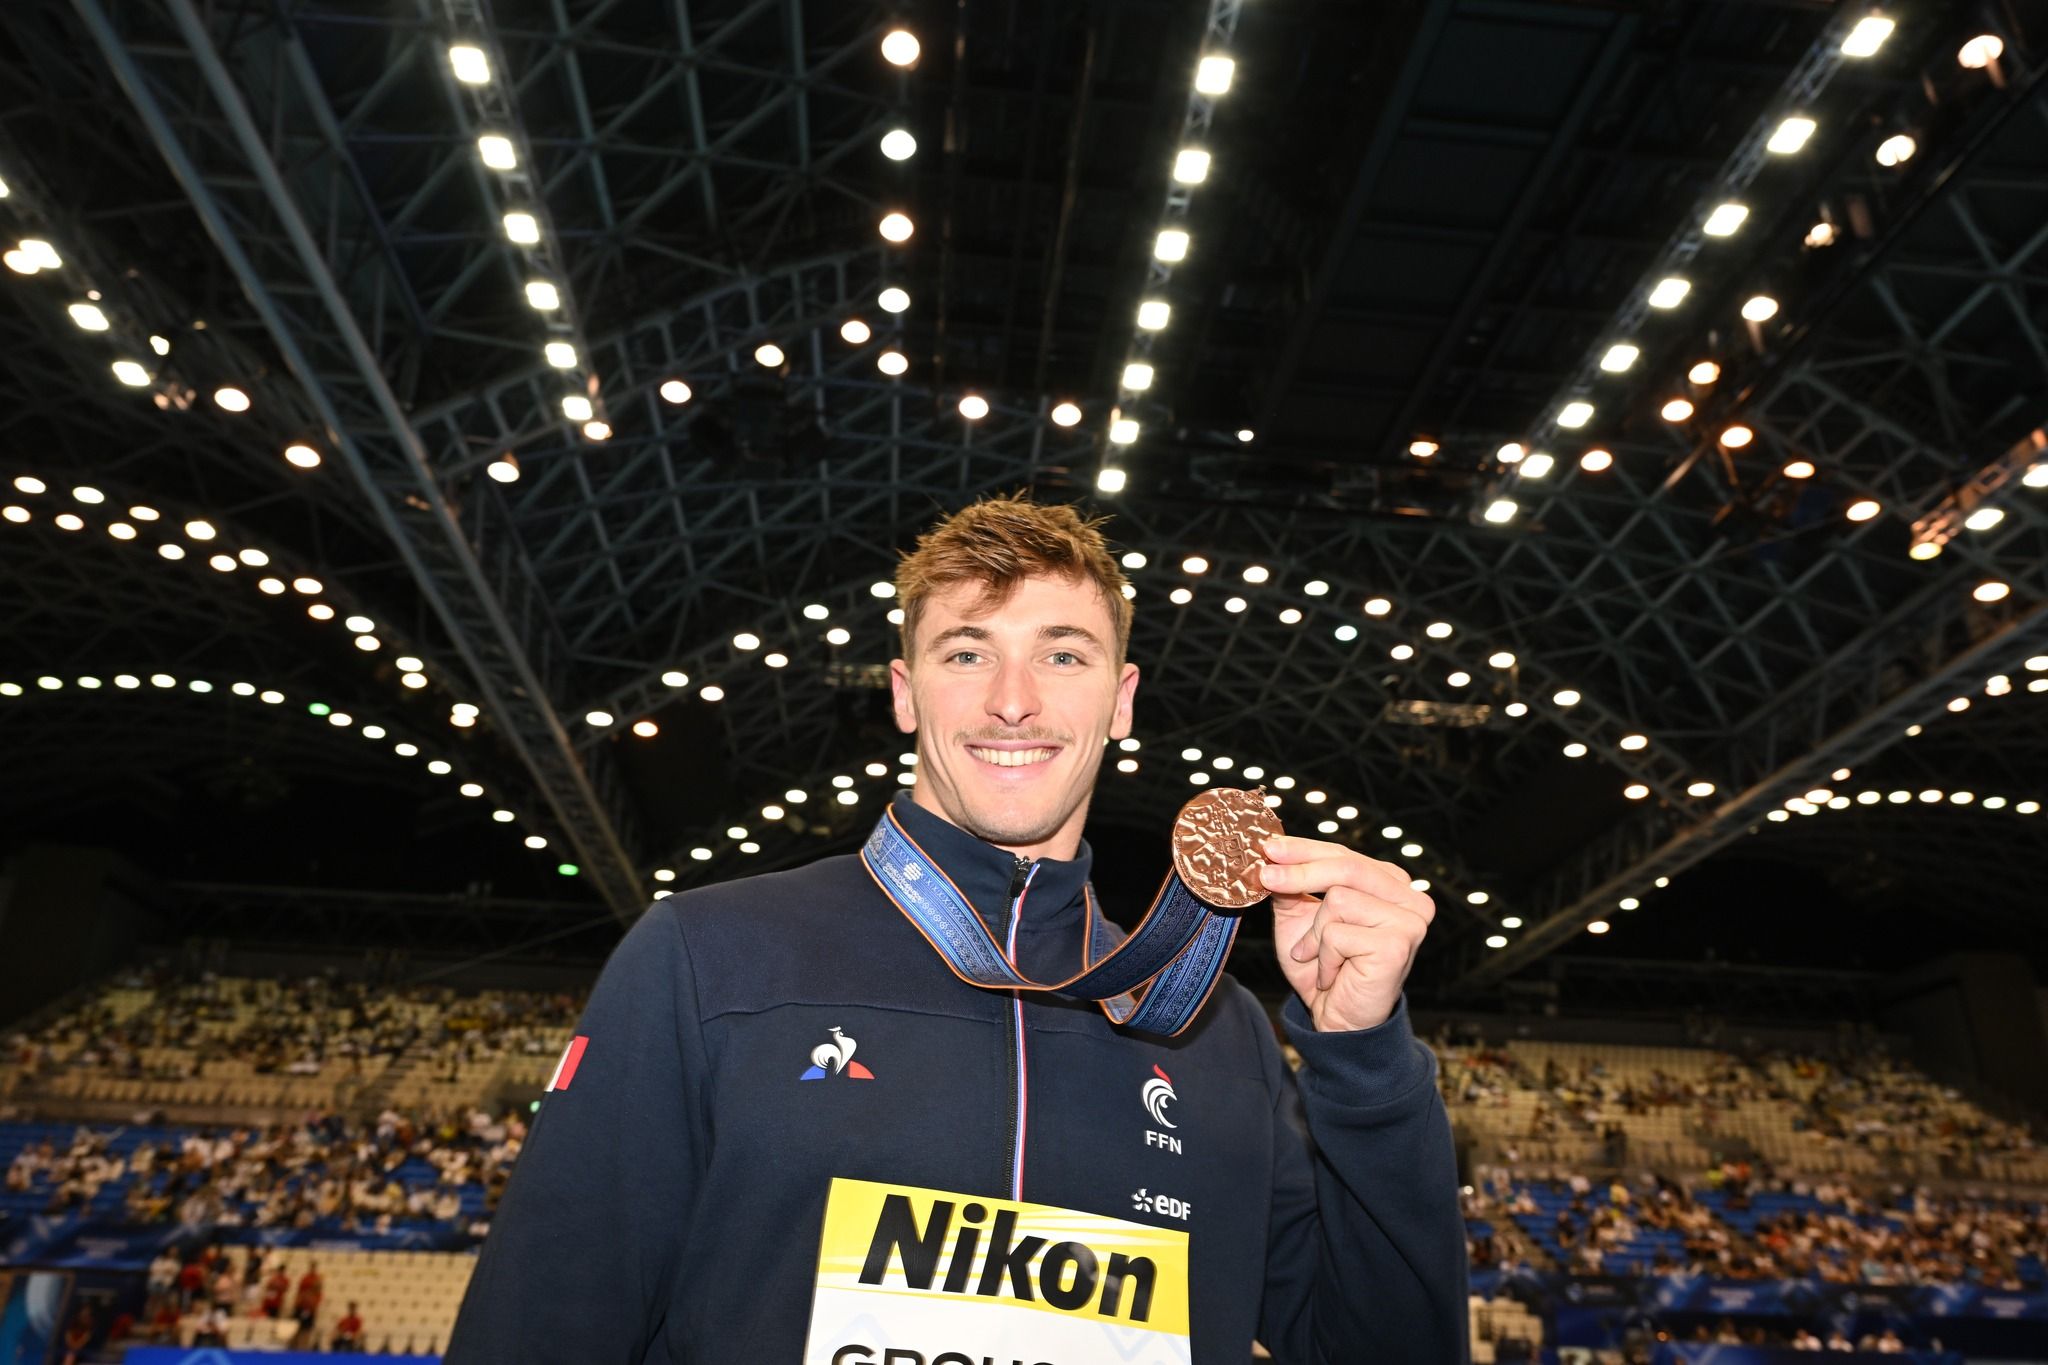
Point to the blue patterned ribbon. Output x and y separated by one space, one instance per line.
1155 981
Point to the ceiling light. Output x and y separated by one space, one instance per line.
597 431
1537 466
1256 573
1737 436
973 407
854 331
1984 518
130 373
1924 550
87 494
1245 434
1575 413
70 521
543 295
1896 150
900 47
1153 314
1235 604
897 227
1670 292
1596 461
1438 630
1191 166
1065 414
1700 789
893 299
1459 679
1422 450
1123 431
883 589
200 530
711 692
1212 75
1820 234
1565 697
522 228
302 457
472 67
1511 453
496 150
1634 742
1377 606
1171 245
1402 652
1346 632
1619 357
231 399
1981 51
838 635
1725 218
1635 791
89 316
1760 308
1863 509
1706 372
898 145
1109 480
891 363
560 354
1791 135
1798 469
1868 36
119 530
1290 616
675 391
1991 590
577 408
1676 410
1315 587
1194 564
769 355
1501 510
1575 750
1137 376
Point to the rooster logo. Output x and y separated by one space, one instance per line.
836 1059
1157 1094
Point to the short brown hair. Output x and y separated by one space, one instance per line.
1001 541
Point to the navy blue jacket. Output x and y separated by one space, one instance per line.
668 1202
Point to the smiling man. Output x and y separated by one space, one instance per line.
1002 1172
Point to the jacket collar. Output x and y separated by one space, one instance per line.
985 873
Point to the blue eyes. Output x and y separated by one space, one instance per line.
970 655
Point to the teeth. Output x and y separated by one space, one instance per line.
1012 758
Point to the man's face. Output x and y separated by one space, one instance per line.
1011 708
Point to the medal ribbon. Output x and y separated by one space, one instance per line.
1155 981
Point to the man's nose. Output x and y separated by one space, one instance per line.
1013 696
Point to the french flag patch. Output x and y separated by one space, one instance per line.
565 1070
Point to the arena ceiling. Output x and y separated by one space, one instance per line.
1472 519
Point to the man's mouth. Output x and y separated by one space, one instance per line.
1011 758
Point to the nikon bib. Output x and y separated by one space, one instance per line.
910 1276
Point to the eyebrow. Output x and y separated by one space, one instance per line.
978 634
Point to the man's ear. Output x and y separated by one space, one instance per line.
1126 690
902 701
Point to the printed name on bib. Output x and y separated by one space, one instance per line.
910 1276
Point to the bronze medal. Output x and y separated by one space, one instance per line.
1216 843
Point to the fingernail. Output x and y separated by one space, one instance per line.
1303 949
1270 875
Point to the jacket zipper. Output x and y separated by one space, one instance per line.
1020 884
